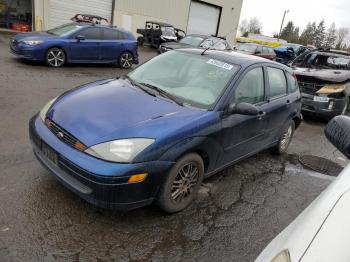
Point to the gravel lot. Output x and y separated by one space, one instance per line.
236 215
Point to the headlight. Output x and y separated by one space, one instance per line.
33 42
331 89
120 151
282 257
44 110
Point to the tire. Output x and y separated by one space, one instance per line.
285 139
126 60
55 57
140 40
182 184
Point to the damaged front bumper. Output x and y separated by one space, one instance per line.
328 108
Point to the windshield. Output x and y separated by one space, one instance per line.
323 61
247 48
168 31
192 40
64 29
195 79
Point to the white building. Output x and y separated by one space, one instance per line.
214 17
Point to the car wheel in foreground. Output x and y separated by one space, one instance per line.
182 184
126 60
55 57
285 139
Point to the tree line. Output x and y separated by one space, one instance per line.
314 34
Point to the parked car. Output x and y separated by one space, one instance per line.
199 41
156 33
77 43
257 50
287 53
321 232
324 80
154 134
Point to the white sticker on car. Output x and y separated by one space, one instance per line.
219 64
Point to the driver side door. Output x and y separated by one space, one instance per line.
87 49
243 135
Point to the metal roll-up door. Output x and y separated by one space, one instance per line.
203 18
61 11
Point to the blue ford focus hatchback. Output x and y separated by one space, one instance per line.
156 133
77 43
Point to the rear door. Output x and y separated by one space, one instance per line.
89 48
112 44
279 102
243 135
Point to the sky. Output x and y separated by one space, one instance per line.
270 12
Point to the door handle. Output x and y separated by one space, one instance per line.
261 115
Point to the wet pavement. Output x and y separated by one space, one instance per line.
237 213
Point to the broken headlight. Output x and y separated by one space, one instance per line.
332 91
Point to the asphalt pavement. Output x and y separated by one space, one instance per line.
237 213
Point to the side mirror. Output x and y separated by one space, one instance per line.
80 38
244 109
338 133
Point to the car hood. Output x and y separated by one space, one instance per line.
34 36
114 109
175 45
327 75
307 231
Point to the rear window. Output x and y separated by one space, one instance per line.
278 82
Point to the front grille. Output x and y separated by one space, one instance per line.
309 88
64 136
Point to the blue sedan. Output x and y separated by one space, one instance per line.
156 133
77 43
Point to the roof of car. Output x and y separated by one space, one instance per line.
337 53
85 24
236 58
160 23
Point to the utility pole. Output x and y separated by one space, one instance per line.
284 16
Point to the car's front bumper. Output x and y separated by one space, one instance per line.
101 183
328 109
33 53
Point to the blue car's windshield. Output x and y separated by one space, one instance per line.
64 29
195 79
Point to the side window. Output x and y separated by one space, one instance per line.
220 45
259 50
271 51
207 43
278 82
91 33
265 50
292 82
109 34
252 88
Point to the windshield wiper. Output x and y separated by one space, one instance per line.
163 93
134 83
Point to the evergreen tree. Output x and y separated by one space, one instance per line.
331 36
320 34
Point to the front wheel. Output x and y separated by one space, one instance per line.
182 184
126 60
55 57
285 139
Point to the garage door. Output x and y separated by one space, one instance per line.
61 11
203 19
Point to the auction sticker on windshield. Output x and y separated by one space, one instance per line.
220 64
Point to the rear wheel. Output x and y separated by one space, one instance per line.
285 139
182 184
55 57
126 60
